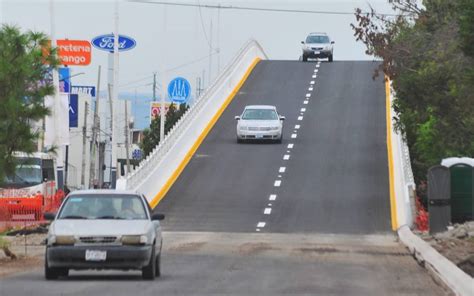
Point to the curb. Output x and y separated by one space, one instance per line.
451 275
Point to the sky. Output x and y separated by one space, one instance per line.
179 39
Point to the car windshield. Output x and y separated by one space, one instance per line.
260 114
317 39
27 173
103 206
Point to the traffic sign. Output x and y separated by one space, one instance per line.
106 42
179 90
137 154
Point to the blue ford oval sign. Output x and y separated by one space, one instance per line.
106 42
179 90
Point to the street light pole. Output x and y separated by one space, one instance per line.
113 177
163 80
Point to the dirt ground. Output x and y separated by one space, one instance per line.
29 255
456 244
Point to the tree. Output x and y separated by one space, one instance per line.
151 136
23 84
427 53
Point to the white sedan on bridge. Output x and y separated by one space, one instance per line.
260 122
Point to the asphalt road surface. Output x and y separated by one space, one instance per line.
310 216
336 177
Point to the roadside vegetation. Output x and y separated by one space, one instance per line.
151 135
428 53
26 61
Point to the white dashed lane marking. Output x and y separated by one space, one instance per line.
282 169
310 89
314 76
291 145
297 126
261 224
308 95
303 109
272 197
267 211
277 183
300 118
305 102
311 82
286 157
293 136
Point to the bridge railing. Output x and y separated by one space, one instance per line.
213 94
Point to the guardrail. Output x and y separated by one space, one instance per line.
452 276
153 161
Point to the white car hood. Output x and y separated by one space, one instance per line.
100 227
259 123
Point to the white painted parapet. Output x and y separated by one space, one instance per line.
451 275
159 170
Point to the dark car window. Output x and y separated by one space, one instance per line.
103 206
317 39
260 114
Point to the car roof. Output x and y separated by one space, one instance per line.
260 107
317 33
104 192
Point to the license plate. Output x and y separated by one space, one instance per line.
92 255
258 136
316 52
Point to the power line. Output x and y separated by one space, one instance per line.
129 85
202 25
231 7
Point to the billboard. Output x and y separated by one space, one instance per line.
155 109
74 52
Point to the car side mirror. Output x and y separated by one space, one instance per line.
49 216
332 42
237 117
302 42
157 216
282 117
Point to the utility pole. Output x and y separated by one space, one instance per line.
111 136
210 54
218 39
163 81
113 177
127 133
56 105
154 87
95 130
84 144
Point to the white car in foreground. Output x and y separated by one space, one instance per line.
260 122
103 229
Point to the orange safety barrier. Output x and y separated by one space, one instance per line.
29 208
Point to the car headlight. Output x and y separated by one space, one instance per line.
134 239
62 240
243 128
274 128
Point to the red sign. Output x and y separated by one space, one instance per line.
155 109
74 52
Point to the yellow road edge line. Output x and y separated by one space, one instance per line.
201 137
393 202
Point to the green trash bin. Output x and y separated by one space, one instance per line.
462 193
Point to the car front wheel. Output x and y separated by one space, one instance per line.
149 271
51 273
330 58
305 58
